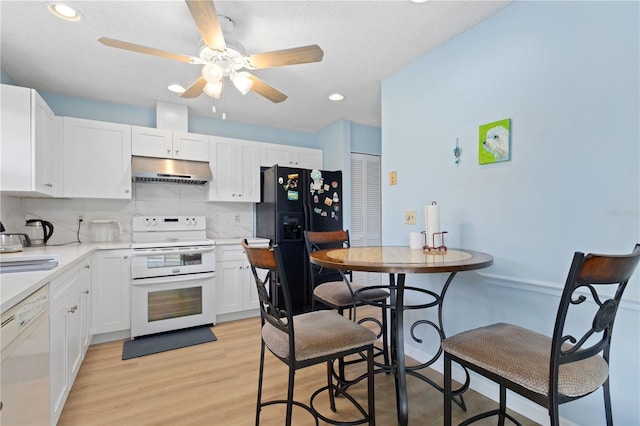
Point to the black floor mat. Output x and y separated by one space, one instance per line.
147 345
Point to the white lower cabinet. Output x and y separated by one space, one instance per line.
69 332
236 295
111 294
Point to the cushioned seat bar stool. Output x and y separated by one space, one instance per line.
550 371
306 339
334 289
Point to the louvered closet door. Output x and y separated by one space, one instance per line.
365 208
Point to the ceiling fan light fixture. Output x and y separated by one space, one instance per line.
213 73
242 81
336 97
65 12
213 89
176 88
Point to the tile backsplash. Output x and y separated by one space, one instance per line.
224 220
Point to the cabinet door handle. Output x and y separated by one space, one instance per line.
87 266
86 292
73 309
125 257
126 191
168 151
48 185
177 152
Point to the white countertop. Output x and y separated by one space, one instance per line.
17 285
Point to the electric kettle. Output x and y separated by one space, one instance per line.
39 231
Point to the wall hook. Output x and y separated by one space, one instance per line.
457 151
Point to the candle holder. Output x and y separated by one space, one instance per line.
433 248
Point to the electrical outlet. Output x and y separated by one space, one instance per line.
236 218
410 217
393 177
80 217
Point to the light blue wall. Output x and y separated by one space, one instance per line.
336 142
120 113
567 74
366 139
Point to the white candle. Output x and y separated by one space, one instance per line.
432 217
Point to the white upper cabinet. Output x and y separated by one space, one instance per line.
97 159
162 143
290 156
235 165
30 148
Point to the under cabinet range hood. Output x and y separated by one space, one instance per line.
149 169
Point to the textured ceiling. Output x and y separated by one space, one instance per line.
363 42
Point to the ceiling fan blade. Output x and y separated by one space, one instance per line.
206 19
264 89
294 56
143 49
195 89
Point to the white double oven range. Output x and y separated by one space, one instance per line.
172 274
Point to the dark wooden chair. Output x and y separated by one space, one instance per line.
550 370
306 339
335 290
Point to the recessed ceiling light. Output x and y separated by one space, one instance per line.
65 12
418 1
336 97
176 88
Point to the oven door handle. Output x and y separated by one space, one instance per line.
172 279
147 252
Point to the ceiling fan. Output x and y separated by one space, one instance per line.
222 59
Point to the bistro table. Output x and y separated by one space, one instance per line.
397 262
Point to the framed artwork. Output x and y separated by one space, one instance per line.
494 142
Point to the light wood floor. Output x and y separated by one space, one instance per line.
215 384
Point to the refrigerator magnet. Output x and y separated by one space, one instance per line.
323 214
315 199
334 184
328 201
335 197
326 187
292 195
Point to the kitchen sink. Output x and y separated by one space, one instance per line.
27 263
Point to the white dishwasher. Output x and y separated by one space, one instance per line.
24 365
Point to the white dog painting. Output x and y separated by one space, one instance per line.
494 141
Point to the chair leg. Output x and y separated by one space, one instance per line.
607 402
554 416
332 397
385 342
447 390
371 387
292 373
260 375
503 405
341 368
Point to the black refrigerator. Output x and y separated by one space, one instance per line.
294 200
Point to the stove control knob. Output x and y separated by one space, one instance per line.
195 222
146 222
188 221
153 222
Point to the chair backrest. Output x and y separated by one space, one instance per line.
315 241
588 277
269 261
